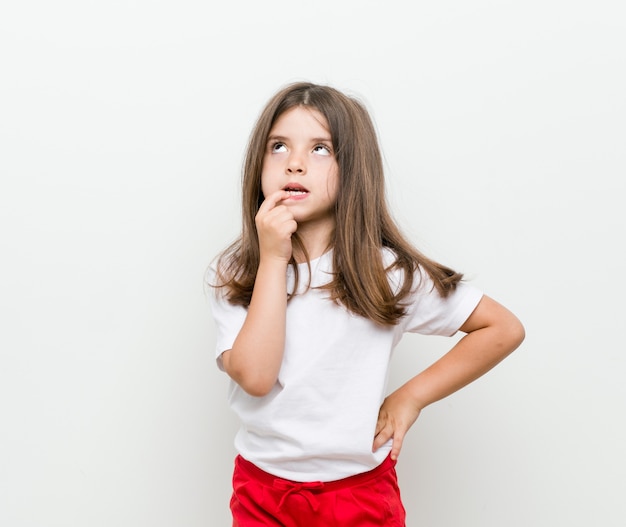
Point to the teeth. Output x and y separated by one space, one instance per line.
296 192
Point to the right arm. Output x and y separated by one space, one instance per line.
254 360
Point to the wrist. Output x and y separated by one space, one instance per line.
273 262
413 393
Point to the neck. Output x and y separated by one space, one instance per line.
315 241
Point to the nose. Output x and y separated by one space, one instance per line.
296 164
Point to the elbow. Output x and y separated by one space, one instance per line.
508 337
254 383
521 334
517 334
256 387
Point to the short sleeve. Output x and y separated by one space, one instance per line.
429 313
228 318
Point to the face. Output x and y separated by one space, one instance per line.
299 158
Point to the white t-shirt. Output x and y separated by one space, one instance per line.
318 422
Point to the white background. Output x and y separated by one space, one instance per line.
122 130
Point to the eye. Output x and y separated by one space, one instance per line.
322 150
278 147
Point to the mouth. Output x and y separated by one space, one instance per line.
295 189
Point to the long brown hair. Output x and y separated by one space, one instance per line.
360 281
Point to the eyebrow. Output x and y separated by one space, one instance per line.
325 139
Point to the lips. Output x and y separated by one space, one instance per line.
295 189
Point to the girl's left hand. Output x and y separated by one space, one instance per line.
397 414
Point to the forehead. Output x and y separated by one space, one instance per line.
301 120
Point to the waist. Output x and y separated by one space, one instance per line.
266 478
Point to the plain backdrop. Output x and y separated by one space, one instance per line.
122 129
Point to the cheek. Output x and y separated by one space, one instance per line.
266 184
266 180
333 186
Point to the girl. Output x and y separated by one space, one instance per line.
309 303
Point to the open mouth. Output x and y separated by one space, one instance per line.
295 190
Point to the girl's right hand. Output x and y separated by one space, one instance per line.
275 224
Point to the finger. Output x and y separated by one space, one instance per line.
279 219
396 446
382 437
380 424
273 199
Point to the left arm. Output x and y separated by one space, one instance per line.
492 333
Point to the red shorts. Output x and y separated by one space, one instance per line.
371 499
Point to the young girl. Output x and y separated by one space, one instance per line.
309 303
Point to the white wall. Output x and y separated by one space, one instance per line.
122 127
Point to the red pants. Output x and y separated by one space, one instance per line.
371 499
